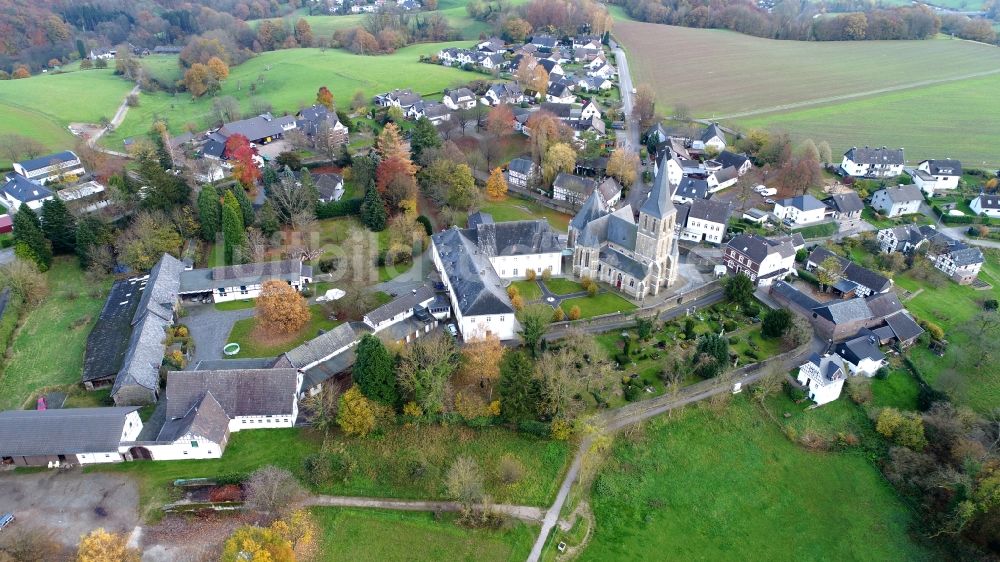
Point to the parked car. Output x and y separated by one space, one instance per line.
6 519
768 191
452 330
769 201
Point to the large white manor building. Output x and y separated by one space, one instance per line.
636 258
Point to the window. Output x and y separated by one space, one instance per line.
194 444
243 289
222 291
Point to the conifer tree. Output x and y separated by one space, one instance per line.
234 235
29 241
209 212
59 226
373 212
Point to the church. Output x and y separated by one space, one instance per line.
638 259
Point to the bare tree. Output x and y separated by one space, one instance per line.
289 198
272 489
465 482
257 245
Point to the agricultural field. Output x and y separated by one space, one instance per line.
46 351
826 90
661 495
42 106
279 77
355 534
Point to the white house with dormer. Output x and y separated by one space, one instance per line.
873 162
943 174
459 98
51 167
823 377
986 205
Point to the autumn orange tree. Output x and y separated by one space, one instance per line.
500 121
285 540
324 97
218 69
481 361
281 309
496 186
623 165
245 170
395 176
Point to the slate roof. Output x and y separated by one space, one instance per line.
609 188
161 290
459 94
860 348
946 167
841 312
24 190
711 131
692 188
475 285
989 201
323 346
589 211
827 369
658 204
108 342
61 431
882 155
258 127
206 418
478 218
852 271
574 183
548 64
622 230
545 41
757 247
47 160
845 202
904 193
561 110
966 255
399 304
790 293
209 279
310 119
803 203
224 364
516 238
558 90
327 184
709 210
731 159
904 327
522 166
620 261
883 305
240 392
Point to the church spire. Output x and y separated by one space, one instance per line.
658 205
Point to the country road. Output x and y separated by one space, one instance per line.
522 512
116 121
638 193
843 97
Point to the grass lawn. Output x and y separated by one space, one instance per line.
817 230
42 106
407 462
47 349
601 303
561 286
285 88
898 390
954 308
528 290
663 496
243 329
356 534
885 222
236 305
516 209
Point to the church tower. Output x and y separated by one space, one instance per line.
655 244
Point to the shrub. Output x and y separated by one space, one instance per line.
561 430
990 304
547 274
318 469
574 313
530 275
533 427
859 389
729 326
592 289
412 409
427 224
510 470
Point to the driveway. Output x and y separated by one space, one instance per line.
959 232
271 150
70 503
210 329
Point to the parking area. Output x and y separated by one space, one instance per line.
69 502
271 150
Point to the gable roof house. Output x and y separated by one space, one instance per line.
704 219
845 205
522 172
987 205
690 189
956 259
18 190
932 176
50 167
543 41
905 239
558 93
138 380
492 45
763 260
740 161
402 99
552 67
713 137
85 197
852 279
244 281
435 112
898 201
861 354
459 98
823 377
801 209
572 188
262 129
329 186
318 121
67 436
873 162
503 92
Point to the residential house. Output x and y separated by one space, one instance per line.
319 122
932 176
74 436
713 138
637 258
861 354
898 201
823 377
503 92
51 167
552 67
756 216
873 162
403 99
590 110
459 98
105 54
602 70
722 178
593 83
18 190
690 189
409 316
845 206
763 260
905 239
522 172
851 278
329 186
987 205
740 161
261 129
703 219
801 209
543 41
242 282
492 45
610 191
572 188
435 112
490 62
558 93
956 259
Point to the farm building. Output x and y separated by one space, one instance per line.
50 167
70 436
240 282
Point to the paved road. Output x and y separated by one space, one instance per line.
638 193
642 411
960 233
210 329
523 512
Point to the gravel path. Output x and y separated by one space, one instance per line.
523 512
